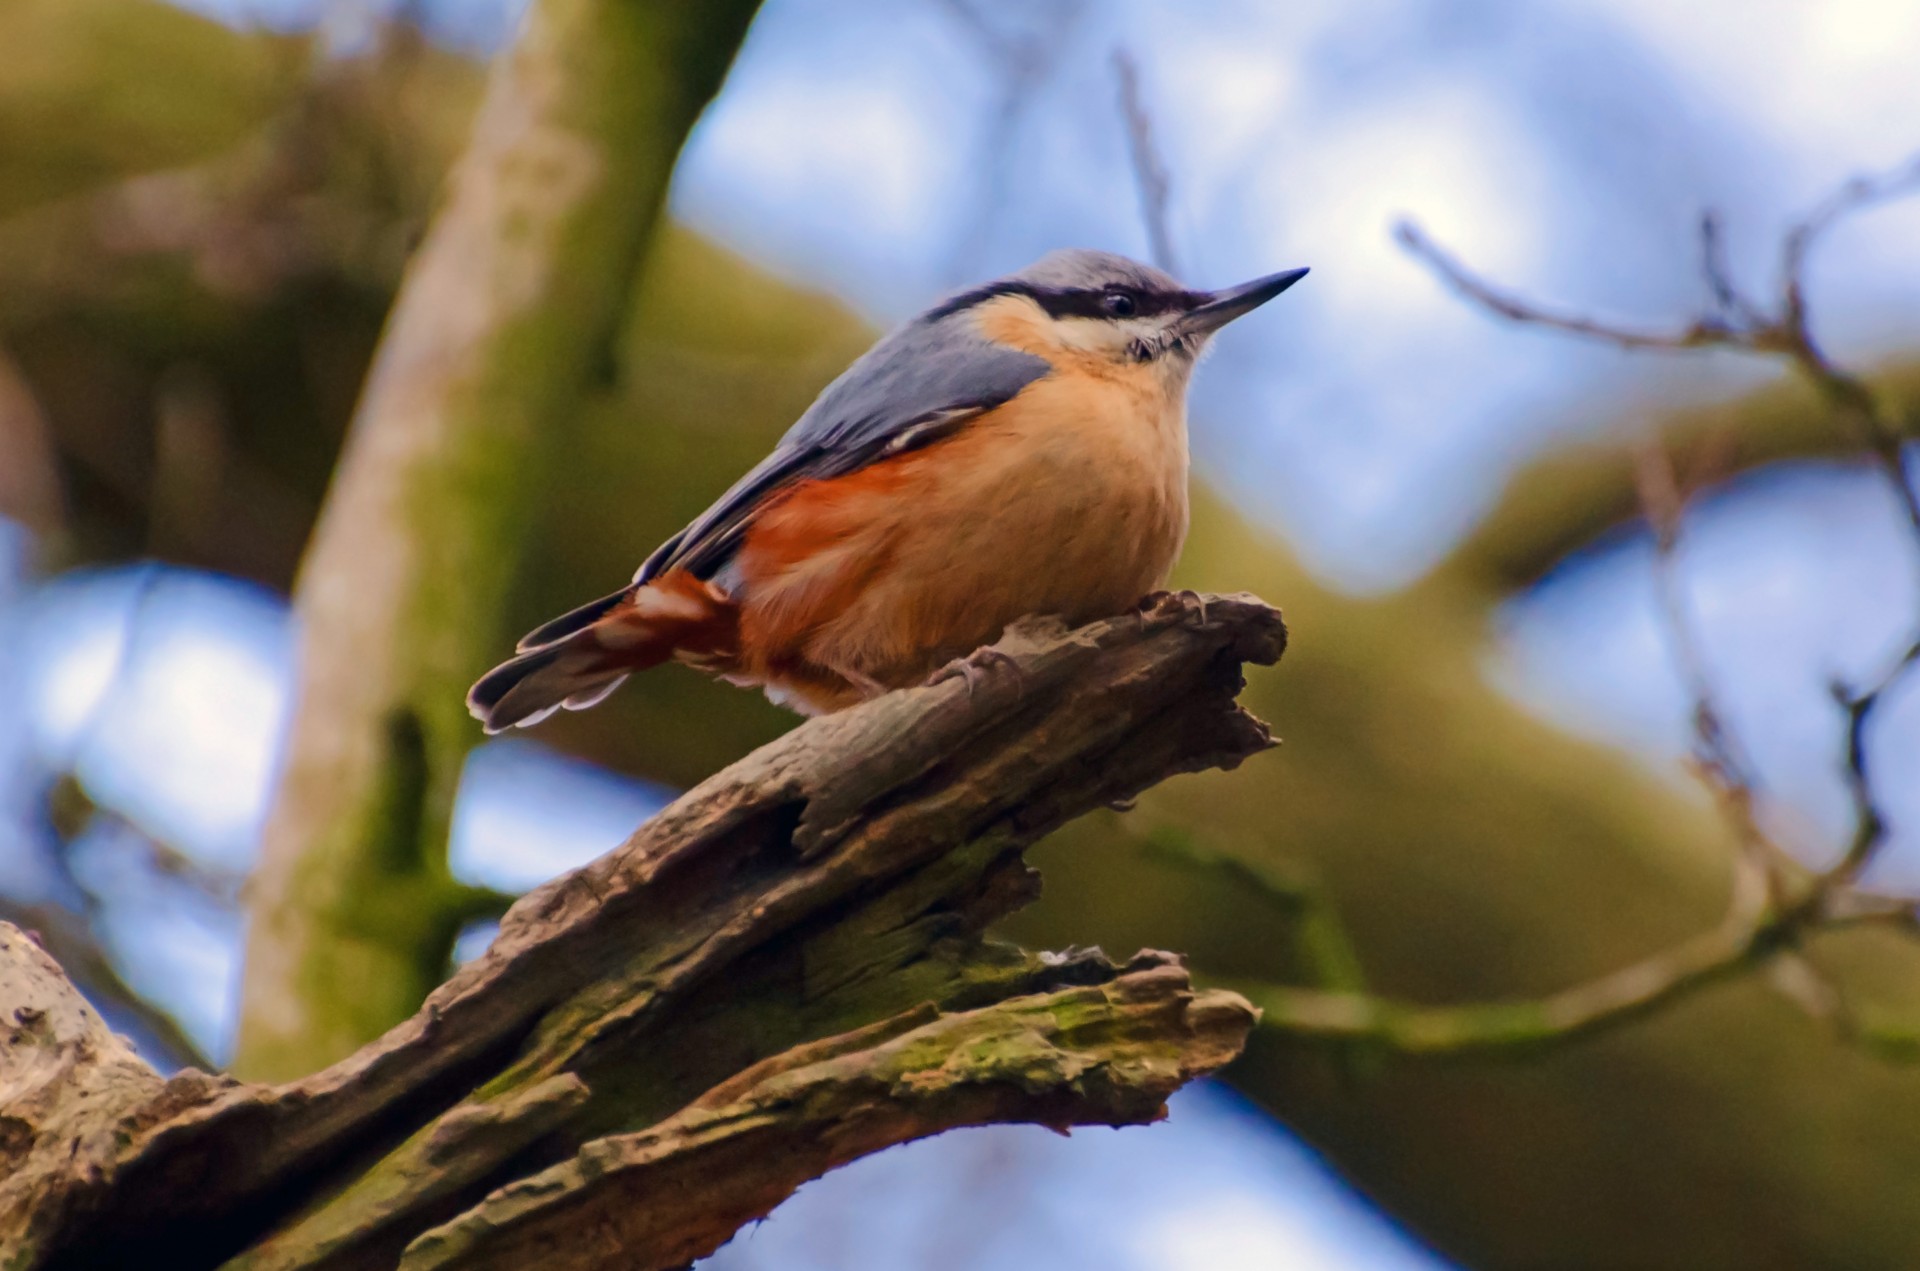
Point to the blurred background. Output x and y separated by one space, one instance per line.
205 213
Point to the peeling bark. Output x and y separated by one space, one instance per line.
1109 1054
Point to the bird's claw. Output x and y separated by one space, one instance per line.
1165 608
973 668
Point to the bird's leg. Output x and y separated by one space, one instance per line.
869 687
974 666
1168 607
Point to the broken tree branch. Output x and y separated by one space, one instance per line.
1102 1054
782 970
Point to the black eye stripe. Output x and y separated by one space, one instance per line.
1071 302
1091 302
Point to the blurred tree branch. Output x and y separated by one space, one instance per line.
259 267
504 321
29 480
782 971
1776 905
1149 168
1582 491
1021 60
1570 499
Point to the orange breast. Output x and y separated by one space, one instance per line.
1071 500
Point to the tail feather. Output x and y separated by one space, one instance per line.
576 660
531 686
594 696
571 621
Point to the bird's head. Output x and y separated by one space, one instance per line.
1105 306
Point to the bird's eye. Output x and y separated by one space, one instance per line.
1119 304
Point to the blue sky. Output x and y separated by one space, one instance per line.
870 148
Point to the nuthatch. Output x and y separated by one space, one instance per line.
1019 448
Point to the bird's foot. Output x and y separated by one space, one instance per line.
975 667
1164 608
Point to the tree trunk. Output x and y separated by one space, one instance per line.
504 320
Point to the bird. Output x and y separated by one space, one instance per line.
1019 448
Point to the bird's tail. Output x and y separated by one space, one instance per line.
577 659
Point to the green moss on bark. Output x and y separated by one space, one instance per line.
504 324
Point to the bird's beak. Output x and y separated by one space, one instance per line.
1222 307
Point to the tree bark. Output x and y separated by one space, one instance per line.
783 970
503 321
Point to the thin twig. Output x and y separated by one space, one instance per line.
1731 302
1869 822
1719 761
1741 325
1774 906
1702 333
1149 169
1857 194
1022 63
1732 945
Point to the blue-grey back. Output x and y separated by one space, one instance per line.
917 385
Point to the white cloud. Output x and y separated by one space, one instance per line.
1815 74
1244 1231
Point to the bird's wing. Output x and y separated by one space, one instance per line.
914 387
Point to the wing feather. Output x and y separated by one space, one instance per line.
918 385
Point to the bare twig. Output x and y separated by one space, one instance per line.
1776 905
1859 193
1741 325
1736 323
1718 759
1727 296
1590 1006
1869 822
1701 333
1149 169
1022 62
